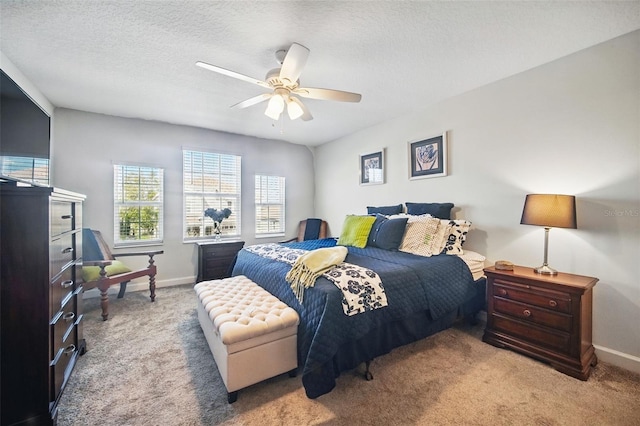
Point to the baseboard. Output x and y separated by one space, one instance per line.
142 285
619 359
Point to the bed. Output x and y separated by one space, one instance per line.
425 295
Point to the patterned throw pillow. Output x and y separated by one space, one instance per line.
455 235
420 235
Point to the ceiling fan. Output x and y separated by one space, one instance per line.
285 87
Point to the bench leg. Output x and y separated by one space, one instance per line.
232 397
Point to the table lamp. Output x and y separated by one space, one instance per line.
550 211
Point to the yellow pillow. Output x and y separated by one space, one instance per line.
355 230
92 273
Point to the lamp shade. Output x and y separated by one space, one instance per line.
275 107
549 210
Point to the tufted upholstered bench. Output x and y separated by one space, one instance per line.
251 333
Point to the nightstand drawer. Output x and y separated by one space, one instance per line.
549 299
534 314
556 340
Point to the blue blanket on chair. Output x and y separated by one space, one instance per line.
438 284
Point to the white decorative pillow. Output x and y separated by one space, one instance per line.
419 235
455 235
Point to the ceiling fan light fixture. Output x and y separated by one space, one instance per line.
293 109
275 107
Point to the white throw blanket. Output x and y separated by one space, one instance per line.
361 288
308 267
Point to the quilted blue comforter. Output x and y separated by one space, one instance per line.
438 284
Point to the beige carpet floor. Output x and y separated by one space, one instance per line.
149 364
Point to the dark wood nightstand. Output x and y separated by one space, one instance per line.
215 259
547 317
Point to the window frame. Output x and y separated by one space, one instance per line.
281 202
159 204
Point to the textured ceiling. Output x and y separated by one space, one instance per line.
137 58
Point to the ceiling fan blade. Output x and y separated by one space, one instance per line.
252 101
328 94
233 74
294 62
306 115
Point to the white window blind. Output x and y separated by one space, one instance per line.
210 181
270 205
138 204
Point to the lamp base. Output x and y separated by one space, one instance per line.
545 270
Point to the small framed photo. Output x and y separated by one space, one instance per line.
428 157
372 168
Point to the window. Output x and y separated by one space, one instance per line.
138 204
269 205
30 169
210 181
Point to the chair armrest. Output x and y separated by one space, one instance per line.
142 253
100 263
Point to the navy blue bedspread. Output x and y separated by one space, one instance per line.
439 284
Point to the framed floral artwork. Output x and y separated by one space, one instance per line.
372 168
428 157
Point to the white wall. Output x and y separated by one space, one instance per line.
569 127
87 145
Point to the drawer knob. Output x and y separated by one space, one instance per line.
527 313
502 292
66 283
67 250
70 349
553 303
67 216
69 316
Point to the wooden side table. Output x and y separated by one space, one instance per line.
547 317
215 259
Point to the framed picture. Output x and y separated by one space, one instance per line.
372 168
428 157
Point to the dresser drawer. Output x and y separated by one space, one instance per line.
61 288
61 253
61 367
64 346
62 325
555 340
549 299
61 217
526 312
